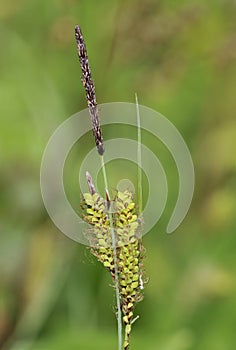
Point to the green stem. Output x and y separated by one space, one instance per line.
119 314
139 156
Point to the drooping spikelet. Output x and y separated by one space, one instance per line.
129 248
130 258
99 236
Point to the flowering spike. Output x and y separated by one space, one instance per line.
129 248
89 86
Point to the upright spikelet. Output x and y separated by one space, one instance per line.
129 247
89 86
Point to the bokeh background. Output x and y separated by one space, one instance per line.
180 57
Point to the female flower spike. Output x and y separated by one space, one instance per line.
129 247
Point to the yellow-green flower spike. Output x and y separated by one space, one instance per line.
129 248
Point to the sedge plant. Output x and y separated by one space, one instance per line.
115 234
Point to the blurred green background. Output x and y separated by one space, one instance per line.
180 57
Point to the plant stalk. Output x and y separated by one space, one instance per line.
119 313
139 156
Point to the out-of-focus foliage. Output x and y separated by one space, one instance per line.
180 57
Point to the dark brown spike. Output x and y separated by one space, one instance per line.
89 86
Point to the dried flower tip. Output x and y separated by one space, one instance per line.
89 89
91 186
